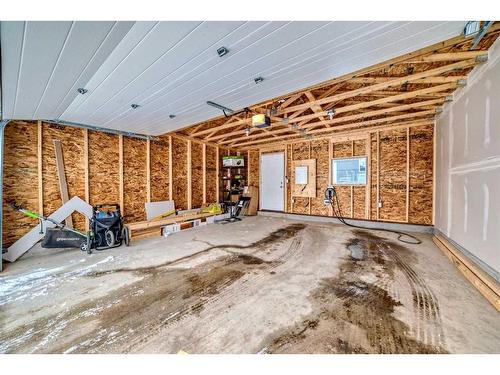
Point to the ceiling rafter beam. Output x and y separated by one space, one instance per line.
370 113
383 85
229 121
290 100
428 113
363 90
450 56
437 79
387 99
346 134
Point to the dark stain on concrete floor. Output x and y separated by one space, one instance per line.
126 317
275 237
355 316
351 314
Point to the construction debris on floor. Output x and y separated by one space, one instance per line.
265 285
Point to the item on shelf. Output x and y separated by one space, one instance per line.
233 161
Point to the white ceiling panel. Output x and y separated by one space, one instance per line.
158 41
167 66
240 64
173 67
52 69
40 50
11 34
242 37
280 60
115 35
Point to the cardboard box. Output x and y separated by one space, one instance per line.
172 228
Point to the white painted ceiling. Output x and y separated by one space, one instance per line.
173 67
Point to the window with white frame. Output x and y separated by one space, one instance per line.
349 171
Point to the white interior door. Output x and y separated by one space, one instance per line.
272 184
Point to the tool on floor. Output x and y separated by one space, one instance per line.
106 223
27 241
60 235
236 209
331 198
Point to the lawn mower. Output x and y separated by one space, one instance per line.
106 230
61 235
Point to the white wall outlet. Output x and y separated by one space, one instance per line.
380 204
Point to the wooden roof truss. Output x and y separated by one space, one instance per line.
406 90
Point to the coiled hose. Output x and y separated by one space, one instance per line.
331 195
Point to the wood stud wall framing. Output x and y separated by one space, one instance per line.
86 170
40 167
170 174
101 168
357 201
189 188
148 170
204 171
120 171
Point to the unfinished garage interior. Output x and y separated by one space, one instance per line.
250 187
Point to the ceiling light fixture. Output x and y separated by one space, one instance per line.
258 80
222 51
82 91
135 106
247 131
331 113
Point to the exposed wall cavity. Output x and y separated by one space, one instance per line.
468 167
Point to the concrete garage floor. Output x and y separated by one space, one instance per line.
263 285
